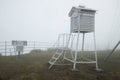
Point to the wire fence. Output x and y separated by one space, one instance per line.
6 47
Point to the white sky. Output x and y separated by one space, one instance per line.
43 20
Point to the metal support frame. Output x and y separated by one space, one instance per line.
88 60
74 58
70 40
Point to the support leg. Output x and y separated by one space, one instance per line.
76 52
83 41
96 59
72 38
63 40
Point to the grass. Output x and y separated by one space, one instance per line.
34 66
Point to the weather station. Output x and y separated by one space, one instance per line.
82 21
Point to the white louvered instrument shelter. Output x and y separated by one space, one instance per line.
82 19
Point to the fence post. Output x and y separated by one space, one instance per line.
10 52
5 48
34 44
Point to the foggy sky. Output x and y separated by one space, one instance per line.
43 20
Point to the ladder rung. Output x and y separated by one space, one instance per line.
51 62
57 53
54 58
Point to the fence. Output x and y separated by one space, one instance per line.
6 47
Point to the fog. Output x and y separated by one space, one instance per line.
43 20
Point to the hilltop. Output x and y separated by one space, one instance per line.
34 66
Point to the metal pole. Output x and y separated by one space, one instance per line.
63 40
77 43
34 44
72 46
63 47
95 52
112 51
15 50
58 40
10 52
5 47
83 41
67 37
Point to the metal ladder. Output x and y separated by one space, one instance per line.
55 57
58 53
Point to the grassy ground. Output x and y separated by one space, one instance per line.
34 66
